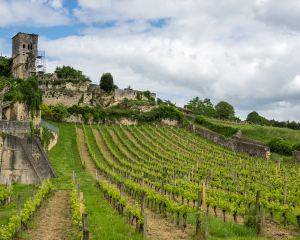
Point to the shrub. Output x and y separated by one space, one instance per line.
279 145
5 66
54 113
296 147
58 112
70 73
226 131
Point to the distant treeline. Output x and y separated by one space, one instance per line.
255 118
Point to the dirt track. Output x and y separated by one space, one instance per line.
53 220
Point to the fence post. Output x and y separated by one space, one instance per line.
85 231
258 229
19 204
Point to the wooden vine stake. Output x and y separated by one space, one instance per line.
19 209
205 213
258 225
202 231
198 219
85 231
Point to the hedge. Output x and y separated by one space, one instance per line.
226 131
58 112
279 145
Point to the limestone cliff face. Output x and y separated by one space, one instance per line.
84 94
19 112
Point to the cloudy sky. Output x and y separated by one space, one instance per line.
245 52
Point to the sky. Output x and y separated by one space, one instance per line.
244 52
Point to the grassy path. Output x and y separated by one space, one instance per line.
103 222
53 220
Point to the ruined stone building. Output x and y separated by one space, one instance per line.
24 54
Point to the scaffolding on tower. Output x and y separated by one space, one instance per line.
40 63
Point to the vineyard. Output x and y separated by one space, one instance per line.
152 182
167 169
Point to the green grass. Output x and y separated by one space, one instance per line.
229 230
263 133
103 222
6 211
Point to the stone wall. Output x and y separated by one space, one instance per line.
121 94
296 156
15 128
23 160
235 144
84 94
67 98
53 141
169 122
19 112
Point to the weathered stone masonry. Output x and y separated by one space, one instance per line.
236 144
24 54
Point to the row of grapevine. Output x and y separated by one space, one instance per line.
226 172
16 221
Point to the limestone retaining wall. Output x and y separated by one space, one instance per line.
235 144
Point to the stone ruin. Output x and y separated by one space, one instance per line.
24 55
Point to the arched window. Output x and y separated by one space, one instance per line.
23 45
28 46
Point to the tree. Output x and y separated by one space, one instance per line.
199 107
225 111
70 73
107 82
5 66
255 118
208 108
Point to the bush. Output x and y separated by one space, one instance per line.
70 73
279 145
58 112
5 66
26 91
296 147
226 131
54 113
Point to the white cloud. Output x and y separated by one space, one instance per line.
32 13
285 14
217 49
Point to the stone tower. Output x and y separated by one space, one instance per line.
24 54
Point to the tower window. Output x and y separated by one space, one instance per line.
23 45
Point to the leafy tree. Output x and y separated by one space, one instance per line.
255 118
5 66
208 108
200 107
31 94
70 73
107 82
225 111
26 91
